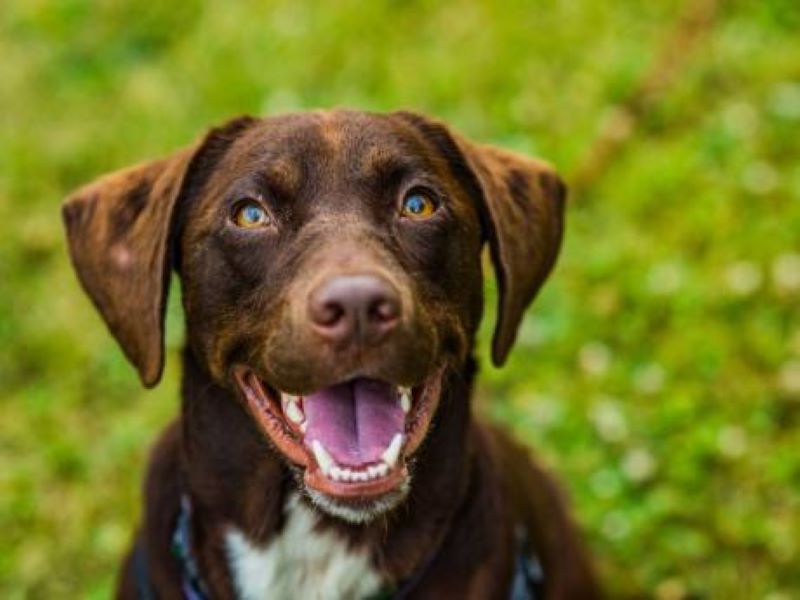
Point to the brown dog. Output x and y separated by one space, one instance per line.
332 288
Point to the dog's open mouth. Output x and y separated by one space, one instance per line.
353 438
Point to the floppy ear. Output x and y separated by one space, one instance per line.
524 202
119 232
522 206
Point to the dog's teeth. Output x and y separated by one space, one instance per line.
337 473
291 408
392 453
405 399
324 459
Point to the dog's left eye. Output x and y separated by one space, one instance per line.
249 214
418 205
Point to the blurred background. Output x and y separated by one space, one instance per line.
658 374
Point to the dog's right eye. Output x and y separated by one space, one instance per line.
418 205
249 214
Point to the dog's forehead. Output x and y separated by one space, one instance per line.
351 143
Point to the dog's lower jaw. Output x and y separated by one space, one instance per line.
359 513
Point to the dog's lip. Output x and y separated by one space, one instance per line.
267 405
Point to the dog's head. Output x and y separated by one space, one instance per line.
331 274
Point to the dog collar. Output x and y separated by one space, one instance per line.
191 582
527 583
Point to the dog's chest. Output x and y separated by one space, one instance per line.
299 563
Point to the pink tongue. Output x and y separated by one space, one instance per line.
355 421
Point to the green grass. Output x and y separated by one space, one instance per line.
658 374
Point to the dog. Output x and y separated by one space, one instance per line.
332 286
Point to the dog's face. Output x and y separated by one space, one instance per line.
331 271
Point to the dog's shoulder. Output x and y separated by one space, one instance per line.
301 561
540 507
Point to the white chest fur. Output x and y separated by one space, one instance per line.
299 563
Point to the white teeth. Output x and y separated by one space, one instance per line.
375 471
291 408
405 399
294 412
364 474
392 453
324 459
343 474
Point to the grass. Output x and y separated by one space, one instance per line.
659 372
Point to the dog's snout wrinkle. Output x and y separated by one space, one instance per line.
361 309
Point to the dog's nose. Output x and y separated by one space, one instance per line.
362 308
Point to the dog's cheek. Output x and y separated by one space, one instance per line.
456 289
447 315
224 303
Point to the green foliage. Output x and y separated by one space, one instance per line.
658 373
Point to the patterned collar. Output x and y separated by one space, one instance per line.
191 582
527 583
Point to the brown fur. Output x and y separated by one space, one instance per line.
331 181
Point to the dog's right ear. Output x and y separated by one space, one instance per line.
119 232
521 201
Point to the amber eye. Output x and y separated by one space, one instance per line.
249 214
418 205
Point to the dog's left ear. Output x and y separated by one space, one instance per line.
119 232
522 207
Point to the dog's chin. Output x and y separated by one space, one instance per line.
355 511
349 443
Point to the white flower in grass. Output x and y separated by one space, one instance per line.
608 419
786 272
616 123
743 278
594 358
732 441
638 465
760 178
789 377
741 118
615 525
785 100
671 589
665 279
531 333
545 411
649 379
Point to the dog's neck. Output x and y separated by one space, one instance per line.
234 478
